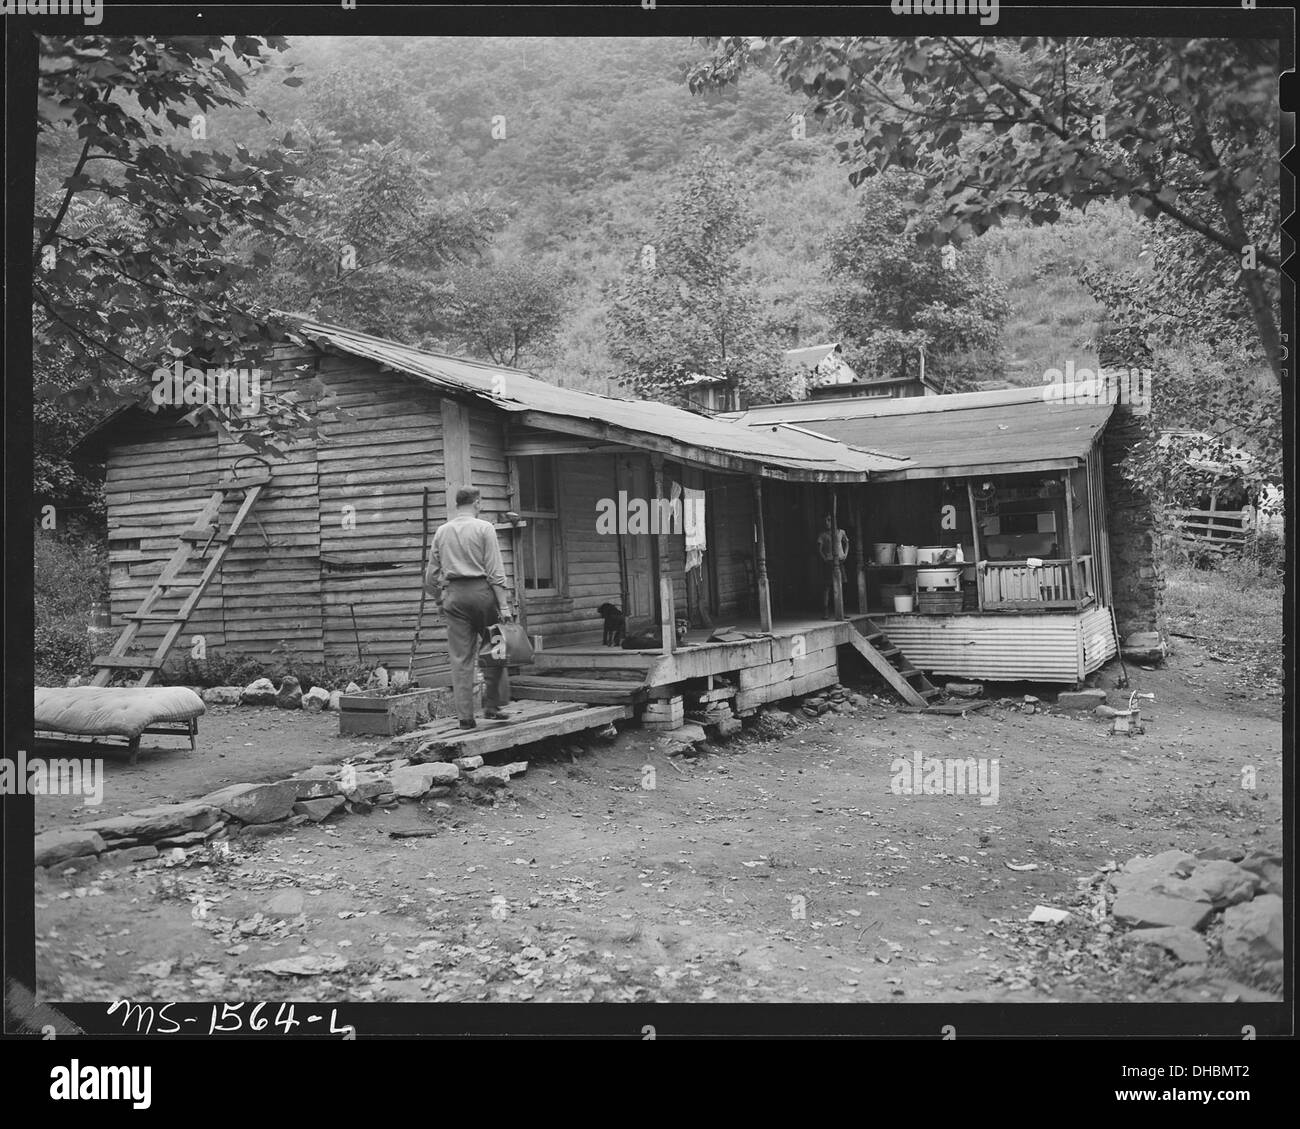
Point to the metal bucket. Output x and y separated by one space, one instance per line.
903 603
883 552
907 554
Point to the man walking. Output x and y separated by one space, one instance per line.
467 581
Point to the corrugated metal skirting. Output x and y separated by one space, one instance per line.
1060 647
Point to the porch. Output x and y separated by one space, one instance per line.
799 655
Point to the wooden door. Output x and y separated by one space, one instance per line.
639 581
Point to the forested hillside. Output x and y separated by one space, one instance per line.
580 141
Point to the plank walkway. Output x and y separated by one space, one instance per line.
529 722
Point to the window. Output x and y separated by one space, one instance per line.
538 506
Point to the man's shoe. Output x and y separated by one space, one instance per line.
497 715
468 724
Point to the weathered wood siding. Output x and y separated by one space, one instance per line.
375 462
271 576
158 475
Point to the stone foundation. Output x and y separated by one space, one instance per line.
1137 533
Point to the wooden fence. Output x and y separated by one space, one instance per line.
1220 531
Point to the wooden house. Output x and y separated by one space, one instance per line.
328 566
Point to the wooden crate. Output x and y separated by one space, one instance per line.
394 713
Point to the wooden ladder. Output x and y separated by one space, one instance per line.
205 531
892 665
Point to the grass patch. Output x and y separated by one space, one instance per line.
1233 610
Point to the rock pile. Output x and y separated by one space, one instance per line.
1170 899
289 695
834 699
310 796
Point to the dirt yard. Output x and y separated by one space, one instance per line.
776 867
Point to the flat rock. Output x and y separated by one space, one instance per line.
1185 944
489 777
412 781
1146 870
188 839
128 855
316 699
465 764
1253 930
222 695
1152 909
314 787
316 810
255 803
335 697
956 689
1268 868
1080 699
368 787
260 692
1224 883
515 768
688 733
157 822
54 847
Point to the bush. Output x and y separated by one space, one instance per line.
216 670
71 574
235 669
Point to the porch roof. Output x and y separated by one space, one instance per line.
774 450
968 433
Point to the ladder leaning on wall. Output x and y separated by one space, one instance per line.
173 580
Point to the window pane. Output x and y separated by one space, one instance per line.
544 483
527 491
544 548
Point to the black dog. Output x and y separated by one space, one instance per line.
615 625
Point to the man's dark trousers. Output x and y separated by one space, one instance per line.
471 608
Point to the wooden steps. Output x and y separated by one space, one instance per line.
891 664
530 721
593 691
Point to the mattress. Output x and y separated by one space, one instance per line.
113 711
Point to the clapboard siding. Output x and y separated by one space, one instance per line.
374 467
155 483
271 577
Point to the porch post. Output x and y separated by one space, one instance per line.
860 551
837 579
975 542
516 534
760 559
1069 533
659 549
